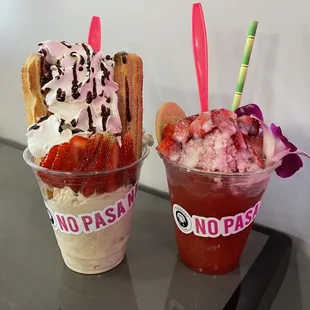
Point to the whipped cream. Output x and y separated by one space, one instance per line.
45 135
80 94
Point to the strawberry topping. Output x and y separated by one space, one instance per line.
168 131
170 148
201 126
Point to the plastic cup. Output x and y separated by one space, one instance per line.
213 214
92 232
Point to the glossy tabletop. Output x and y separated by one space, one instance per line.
33 275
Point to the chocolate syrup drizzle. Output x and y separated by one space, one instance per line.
127 101
89 97
66 44
46 74
36 126
62 122
106 73
82 60
73 123
74 88
91 128
105 113
76 130
87 61
60 95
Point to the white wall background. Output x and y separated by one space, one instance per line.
160 31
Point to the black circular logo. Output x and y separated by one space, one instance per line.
51 217
182 219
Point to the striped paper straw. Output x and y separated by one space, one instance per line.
244 65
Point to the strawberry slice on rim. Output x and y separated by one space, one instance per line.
47 162
106 158
168 131
127 157
77 145
84 162
170 148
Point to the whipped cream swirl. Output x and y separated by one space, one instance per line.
80 94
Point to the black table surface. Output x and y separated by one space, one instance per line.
151 277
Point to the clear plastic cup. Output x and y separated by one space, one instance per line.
213 214
92 232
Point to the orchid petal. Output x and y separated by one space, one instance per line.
277 132
300 152
291 163
250 109
268 142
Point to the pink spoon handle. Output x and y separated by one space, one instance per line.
94 34
200 50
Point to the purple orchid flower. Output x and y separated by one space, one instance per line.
250 109
276 146
286 150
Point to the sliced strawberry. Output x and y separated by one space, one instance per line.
60 156
127 155
47 162
201 126
89 152
239 141
248 125
106 158
181 131
75 152
113 181
48 159
84 162
112 150
168 131
170 148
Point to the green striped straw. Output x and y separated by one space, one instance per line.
244 65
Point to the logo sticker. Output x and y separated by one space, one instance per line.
182 219
212 227
95 221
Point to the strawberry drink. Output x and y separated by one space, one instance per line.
218 165
85 147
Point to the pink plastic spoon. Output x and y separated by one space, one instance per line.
94 34
200 50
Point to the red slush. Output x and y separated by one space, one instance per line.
213 213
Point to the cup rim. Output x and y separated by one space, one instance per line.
27 158
265 171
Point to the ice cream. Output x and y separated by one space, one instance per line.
83 250
84 111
